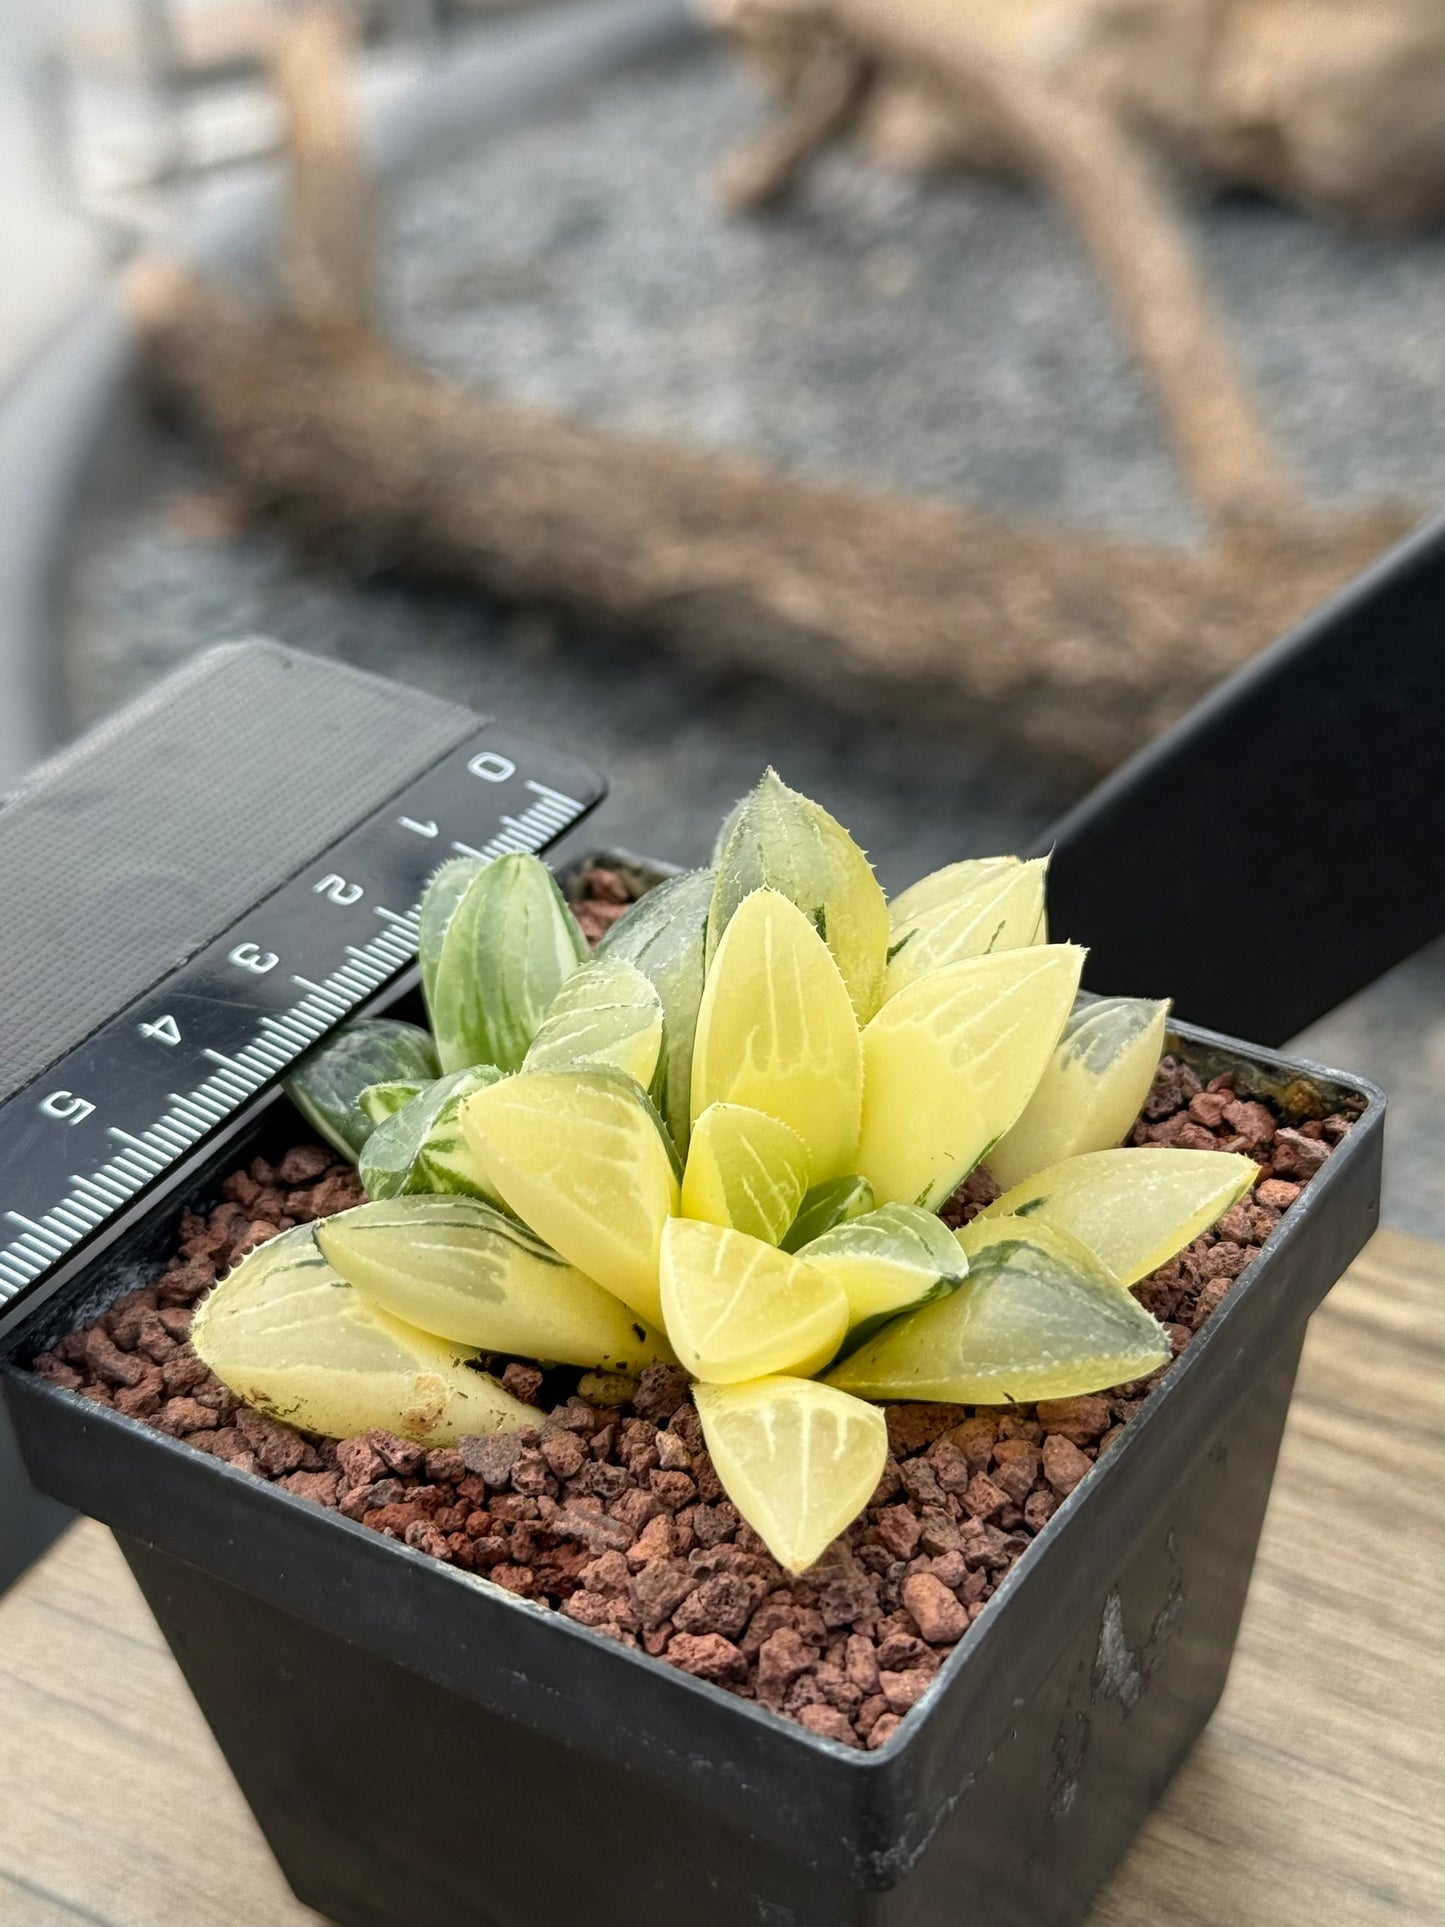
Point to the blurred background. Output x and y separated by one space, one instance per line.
829 238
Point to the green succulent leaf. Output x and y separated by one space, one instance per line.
665 935
508 947
886 1262
780 840
831 1203
1037 1316
457 1267
607 1012
421 1147
1093 1089
327 1083
444 891
381 1101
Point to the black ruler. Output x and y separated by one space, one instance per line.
83 1145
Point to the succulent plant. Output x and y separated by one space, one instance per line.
724 1142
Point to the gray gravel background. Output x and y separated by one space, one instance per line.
938 336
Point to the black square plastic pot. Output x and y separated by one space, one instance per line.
423 1749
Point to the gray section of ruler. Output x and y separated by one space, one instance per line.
120 858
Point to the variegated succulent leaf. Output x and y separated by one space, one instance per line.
1134 1208
444 891
421 1147
458 1268
381 1101
1092 1090
999 906
736 1308
664 935
825 1205
950 1063
746 1170
1037 1317
608 1012
888 1261
584 1159
509 945
327 1083
798 1459
288 1334
780 840
776 1031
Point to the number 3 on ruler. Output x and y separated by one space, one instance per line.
250 957
165 1030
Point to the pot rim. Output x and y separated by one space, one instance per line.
1208 1346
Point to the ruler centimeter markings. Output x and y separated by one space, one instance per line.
81 1145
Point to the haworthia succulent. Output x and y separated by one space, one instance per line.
327 1083
665 936
421 1147
780 840
508 946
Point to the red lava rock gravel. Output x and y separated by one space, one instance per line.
614 1517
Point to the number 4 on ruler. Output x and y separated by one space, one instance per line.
165 1030
428 828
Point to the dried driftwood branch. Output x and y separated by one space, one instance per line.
1076 648
1106 184
325 257
1331 104
824 99
1073 647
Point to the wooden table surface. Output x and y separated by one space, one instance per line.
1314 1800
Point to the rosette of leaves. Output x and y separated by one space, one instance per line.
724 1140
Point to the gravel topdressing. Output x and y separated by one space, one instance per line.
613 1515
